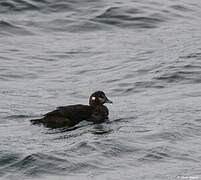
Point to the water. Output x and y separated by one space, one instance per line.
146 56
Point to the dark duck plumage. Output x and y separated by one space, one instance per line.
71 115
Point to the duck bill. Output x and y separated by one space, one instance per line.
108 101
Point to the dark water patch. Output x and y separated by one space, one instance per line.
8 28
13 77
19 5
120 120
35 165
55 25
71 7
180 76
180 8
192 66
49 59
7 159
114 80
6 6
168 136
20 116
191 129
175 77
72 133
61 130
118 16
166 154
136 87
62 6
147 84
196 56
68 132
181 71
81 129
73 54
100 129
87 26
88 71
69 25
154 155
83 148
186 131
117 150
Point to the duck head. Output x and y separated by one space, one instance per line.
98 98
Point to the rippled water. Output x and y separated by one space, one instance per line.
146 56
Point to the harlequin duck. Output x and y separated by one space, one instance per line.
71 115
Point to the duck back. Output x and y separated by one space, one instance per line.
66 115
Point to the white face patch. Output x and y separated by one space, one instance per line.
101 99
93 98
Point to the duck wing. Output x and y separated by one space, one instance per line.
77 112
65 116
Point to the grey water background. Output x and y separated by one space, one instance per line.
146 56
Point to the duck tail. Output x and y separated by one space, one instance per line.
36 121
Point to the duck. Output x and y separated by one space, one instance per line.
71 115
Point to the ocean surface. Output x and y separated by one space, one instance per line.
144 54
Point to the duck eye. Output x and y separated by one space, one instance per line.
93 98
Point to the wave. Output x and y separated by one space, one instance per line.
129 17
183 71
22 5
9 28
86 16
